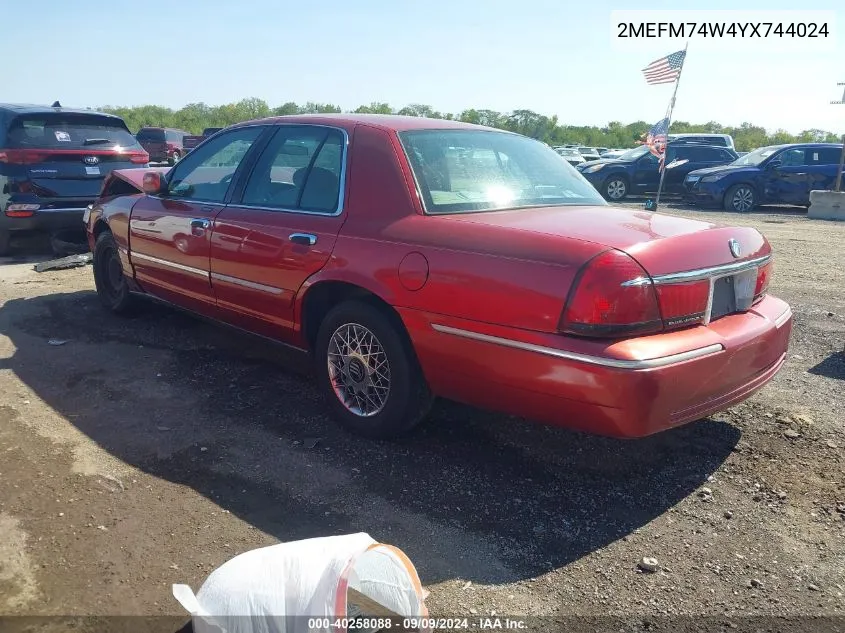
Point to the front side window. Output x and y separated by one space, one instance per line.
793 158
492 170
299 170
207 172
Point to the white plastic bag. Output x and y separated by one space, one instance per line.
301 586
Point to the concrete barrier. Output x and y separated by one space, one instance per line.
827 205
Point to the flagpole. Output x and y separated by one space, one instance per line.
669 126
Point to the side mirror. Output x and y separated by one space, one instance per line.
153 183
775 163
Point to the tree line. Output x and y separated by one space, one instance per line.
194 117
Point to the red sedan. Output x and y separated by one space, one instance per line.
415 258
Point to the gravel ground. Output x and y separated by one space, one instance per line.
142 452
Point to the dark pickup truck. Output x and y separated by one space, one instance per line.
190 142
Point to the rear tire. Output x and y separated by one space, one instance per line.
368 372
5 243
112 287
740 199
615 188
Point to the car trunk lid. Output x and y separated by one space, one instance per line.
662 244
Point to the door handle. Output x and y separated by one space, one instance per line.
200 223
305 239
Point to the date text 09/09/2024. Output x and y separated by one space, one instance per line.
636 30
419 624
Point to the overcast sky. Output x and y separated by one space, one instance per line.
550 56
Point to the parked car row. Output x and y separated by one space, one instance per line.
637 170
708 172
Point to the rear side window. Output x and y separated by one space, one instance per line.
300 170
825 156
150 135
726 155
704 154
68 131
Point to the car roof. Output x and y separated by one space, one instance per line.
394 122
816 145
16 109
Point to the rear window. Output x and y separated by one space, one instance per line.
709 140
494 170
68 131
150 135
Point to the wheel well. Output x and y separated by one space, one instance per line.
323 296
100 227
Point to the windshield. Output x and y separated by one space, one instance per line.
69 131
633 154
756 157
460 171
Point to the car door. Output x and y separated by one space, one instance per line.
645 176
170 233
681 161
280 229
787 177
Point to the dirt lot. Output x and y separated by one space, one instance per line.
148 451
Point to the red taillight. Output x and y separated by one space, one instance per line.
683 303
21 156
139 158
613 297
764 275
22 210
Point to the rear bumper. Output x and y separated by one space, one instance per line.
47 220
625 389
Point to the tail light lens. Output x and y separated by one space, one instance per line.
22 210
764 275
21 156
612 297
32 157
139 158
684 303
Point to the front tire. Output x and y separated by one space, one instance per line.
615 188
112 287
368 372
740 198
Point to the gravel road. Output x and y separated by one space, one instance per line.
137 453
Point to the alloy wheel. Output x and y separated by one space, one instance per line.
616 189
359 370
743 199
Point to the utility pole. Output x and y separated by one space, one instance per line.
836 187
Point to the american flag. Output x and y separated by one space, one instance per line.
656 139
665 70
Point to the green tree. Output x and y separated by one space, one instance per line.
194 117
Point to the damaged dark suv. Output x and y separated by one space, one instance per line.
52 164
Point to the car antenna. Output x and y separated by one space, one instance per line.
56 104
